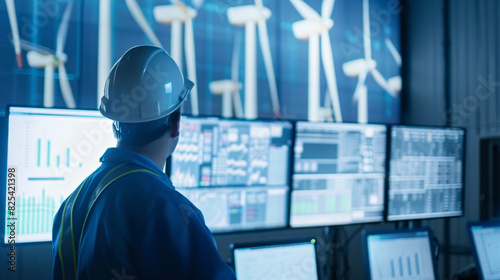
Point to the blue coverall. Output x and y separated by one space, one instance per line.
139 227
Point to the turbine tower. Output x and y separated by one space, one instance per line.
40 57
230 89
361 67
176 15
250 16
312 28
11 10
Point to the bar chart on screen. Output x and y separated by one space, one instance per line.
54 150
403 258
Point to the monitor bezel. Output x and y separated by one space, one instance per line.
286 225
485 224
234 246
5 146
367 233
385 176
464 161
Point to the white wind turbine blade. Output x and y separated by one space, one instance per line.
191 64
238 106
250 71
48 86
313 101
382 82
366 31
11 11
28 46
65 87
359 84
363 104
331 78
268 62
103 47
394 51
136 12
305 10
198 3
62 33
327 8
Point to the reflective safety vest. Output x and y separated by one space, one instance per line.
68 241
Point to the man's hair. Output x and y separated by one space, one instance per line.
140 134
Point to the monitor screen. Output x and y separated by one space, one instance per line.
234 171
339 174
281 261
52 152
486 244
399 255
425 174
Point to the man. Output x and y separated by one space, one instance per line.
126 221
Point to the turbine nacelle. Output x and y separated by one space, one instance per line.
303 29
38 60
250 13
224 86
395 83
356 67
168 13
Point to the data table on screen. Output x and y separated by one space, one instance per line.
236 172
338 174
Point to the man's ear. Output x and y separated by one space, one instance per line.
174 131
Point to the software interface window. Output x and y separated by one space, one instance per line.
285 261
339 172
236 172
425 175
405 255
487 247
52 161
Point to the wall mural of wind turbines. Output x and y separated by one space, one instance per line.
176 15
312 28
40 57
11 11
250 16
252 59
362 67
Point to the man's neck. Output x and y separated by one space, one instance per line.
156 154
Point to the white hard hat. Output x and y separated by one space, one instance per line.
144 85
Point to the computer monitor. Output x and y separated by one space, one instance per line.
236 172
425 173
52 151
399 254
339 174
485 239
278 260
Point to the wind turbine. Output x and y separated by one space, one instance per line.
361 67
312 28
138 16
104 41
229 89
176 15
40 57
11 10
250 16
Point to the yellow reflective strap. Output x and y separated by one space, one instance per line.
105 176
71 219
61 237
116 178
